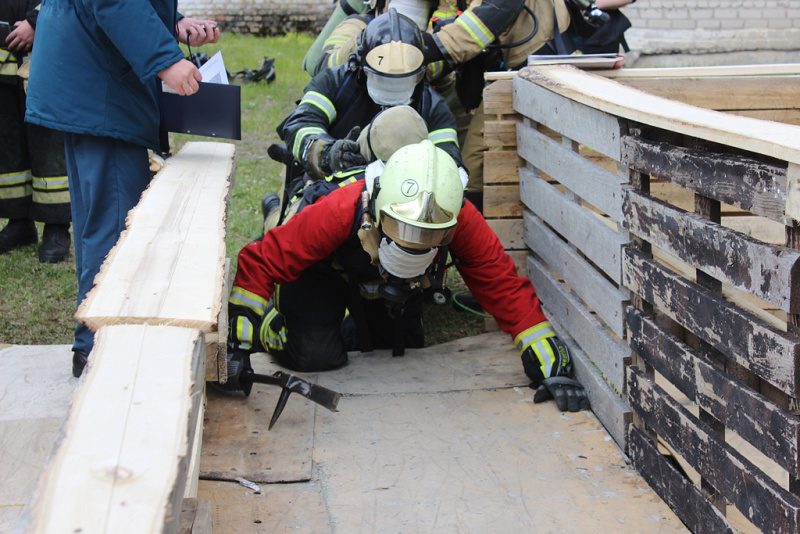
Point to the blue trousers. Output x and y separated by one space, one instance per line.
106 179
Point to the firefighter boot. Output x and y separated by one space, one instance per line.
55 243
79 359
271 210
18 233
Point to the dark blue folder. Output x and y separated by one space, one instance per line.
215 110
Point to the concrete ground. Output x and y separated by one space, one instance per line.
444 439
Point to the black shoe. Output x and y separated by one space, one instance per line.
18 233
55 243
465 301
269 203
79 359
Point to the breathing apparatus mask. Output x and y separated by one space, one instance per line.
391 56
414 202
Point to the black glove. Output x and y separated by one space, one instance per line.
344 153
432 52
568 392
238 365
561 384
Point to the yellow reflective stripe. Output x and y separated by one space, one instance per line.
248 299
475 28
302 133
271 339
444 135
321 101
20 191
51 197
333 40
535 333
452 12
15 178
50 183
546 356
244 332
436 68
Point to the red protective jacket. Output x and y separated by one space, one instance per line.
318 230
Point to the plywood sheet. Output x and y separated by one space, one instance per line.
478 461
237 444
485 361
297 508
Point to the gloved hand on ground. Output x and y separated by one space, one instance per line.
548 353
238 366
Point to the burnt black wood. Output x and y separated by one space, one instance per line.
767 505
753 186
771 430
676 490
767 271
740 335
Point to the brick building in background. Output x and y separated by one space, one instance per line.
664 33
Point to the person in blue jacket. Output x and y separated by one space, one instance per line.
94 75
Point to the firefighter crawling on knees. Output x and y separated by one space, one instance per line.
346 273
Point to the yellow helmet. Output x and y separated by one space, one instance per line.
418 196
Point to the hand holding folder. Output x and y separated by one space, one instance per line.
215 110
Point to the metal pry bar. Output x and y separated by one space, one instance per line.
293 384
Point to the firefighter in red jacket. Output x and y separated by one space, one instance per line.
347 273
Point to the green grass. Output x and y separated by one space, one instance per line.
37 301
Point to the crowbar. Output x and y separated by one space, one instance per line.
289 384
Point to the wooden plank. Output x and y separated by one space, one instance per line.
781 141
501 201
121 462
594 239
786 116
237 444
769 272
767 505
497 98
509 231
724 92
590 182
600 295
217 340
753 186
501 167
707 71
748 340
502 133
677 491
579 122
607 354
773 431
168 266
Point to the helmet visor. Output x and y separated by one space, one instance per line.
414 237
392 90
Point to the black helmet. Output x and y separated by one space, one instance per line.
391 56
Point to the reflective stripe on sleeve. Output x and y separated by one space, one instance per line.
319 100
302 133
535 333
242 297
475 28
444 135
